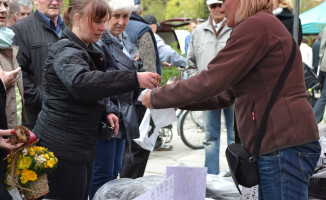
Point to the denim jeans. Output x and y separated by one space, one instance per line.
319 107
285 174
108 162
212 124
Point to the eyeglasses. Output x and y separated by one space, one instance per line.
213 6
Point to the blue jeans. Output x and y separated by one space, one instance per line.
285 174
319 107
108 162
212 124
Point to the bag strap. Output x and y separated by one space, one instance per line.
277 89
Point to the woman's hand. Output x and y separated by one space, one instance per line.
149 80
114 122
147 100
9 78
4 143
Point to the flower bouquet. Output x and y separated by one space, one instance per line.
27 170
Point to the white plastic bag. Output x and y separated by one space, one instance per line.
149 129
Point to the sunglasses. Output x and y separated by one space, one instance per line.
213 6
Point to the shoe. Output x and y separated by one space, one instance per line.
164 148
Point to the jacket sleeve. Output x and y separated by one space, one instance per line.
147 52
229 67
222 100
33 94
86 85
192 68
167 54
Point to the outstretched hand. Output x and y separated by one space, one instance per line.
149 80
9 78
4 143
147 100
114 122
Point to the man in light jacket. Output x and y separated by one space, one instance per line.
319 107
205 43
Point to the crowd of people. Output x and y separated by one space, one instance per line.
74 81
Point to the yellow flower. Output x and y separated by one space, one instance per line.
24 163
27 175
46 156
49 163
31 151
51 154
45 165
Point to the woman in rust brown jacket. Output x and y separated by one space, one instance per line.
245 72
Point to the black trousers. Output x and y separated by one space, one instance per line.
70 181
134 162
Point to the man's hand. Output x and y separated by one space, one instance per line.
114 122
166 65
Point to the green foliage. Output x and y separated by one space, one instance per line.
167 73
167 9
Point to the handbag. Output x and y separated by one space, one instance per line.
243 164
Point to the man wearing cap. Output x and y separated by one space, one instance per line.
165 52
206 41
134 162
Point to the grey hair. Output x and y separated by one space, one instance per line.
25 3
137 9
13 8
120 5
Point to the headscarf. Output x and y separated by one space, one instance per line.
6 35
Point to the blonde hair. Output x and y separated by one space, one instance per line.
286 4
247 8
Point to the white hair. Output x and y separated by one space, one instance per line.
126 5
138 9
25 3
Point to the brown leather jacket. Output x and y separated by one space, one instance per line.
250 65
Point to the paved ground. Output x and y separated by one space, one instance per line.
159 160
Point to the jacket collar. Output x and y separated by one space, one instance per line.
136 17
286 13
67 33
207 26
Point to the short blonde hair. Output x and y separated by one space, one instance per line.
247 8
286 4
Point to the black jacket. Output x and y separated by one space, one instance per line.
34 38
287 18
3 153
113 50
74 82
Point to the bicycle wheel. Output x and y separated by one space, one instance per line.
191 130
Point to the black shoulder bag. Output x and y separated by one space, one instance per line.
243 165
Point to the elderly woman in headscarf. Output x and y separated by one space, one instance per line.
123 55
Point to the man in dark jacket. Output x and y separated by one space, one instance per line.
34 35
139 32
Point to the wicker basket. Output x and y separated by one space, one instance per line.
37 188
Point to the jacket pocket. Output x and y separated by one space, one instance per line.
308 162
40 45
